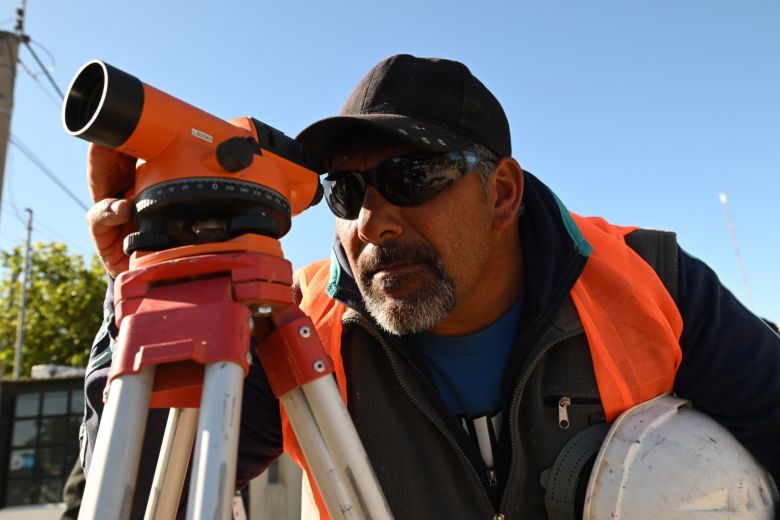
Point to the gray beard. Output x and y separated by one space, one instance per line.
414 313
410 314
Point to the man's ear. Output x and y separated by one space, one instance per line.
507 182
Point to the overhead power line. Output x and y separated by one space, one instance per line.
57 103
14 211
26 41
10 208
34 159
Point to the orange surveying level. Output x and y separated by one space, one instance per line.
212 198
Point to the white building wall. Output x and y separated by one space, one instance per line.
276 494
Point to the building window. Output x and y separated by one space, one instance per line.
44 445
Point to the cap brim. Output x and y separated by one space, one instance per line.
321 137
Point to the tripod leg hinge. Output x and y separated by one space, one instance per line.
181 328
293 356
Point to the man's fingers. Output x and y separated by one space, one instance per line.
113 257
112 254
116 265
109 172
109 214
109 221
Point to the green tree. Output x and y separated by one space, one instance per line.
64 306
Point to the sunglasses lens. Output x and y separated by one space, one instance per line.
403 181
415 180
344 194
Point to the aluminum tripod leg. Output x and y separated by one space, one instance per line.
213 478
172 464
114 467
334 452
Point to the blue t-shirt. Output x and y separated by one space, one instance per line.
468 371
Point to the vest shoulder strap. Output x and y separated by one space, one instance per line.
659 249
631 320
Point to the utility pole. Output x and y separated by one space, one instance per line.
9 56
23 302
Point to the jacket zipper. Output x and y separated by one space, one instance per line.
570 273
514 404
563 412
371 329
492 477
563 403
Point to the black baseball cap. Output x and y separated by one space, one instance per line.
431 103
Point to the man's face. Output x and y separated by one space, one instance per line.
416 265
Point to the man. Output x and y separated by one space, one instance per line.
476 325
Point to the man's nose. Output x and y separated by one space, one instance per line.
378 220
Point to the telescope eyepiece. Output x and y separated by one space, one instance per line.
103 104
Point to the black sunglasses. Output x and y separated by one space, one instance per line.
403 181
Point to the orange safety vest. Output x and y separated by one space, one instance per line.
631 322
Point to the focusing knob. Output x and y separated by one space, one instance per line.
236 153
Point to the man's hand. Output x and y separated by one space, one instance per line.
109 175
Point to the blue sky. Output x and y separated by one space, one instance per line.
642 112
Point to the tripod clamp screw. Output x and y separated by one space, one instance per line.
304 332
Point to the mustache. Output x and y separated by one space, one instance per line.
388 255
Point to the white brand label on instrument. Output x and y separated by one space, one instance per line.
202 135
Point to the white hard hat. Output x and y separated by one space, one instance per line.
664 460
